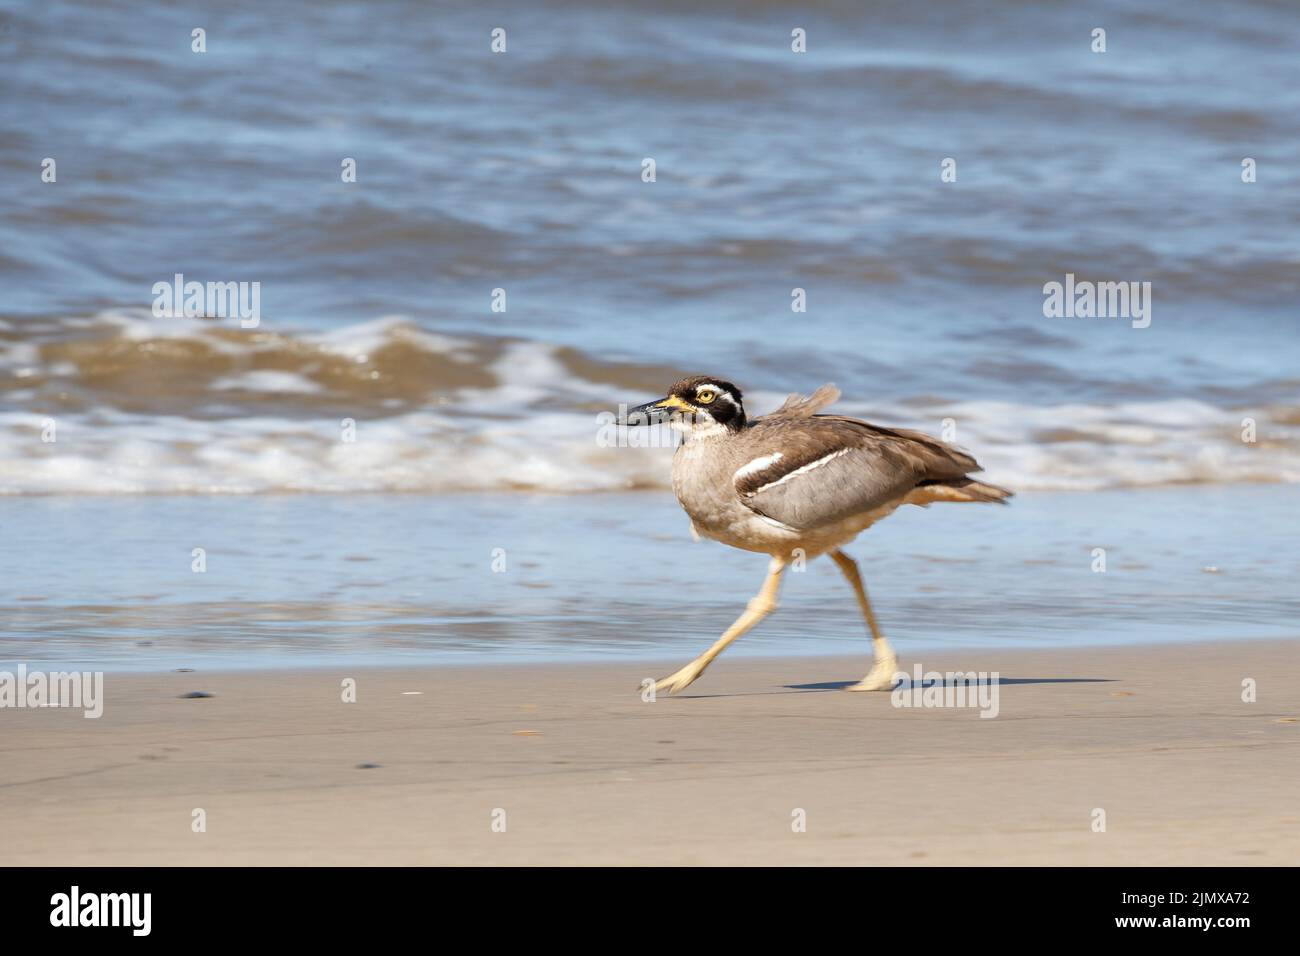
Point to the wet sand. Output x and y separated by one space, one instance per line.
587 773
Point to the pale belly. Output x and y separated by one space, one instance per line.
718 514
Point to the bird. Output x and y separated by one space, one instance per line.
795 484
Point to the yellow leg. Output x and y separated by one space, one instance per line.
881 675
763 604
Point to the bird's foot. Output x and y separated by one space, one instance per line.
880 677
680 680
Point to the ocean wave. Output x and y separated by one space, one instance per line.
124 403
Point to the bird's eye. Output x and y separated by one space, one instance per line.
705 396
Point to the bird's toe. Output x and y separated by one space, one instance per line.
674 683
881 677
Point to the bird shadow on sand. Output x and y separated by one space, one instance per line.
1001 682
839 685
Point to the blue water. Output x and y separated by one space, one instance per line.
296 580
522 171
775 170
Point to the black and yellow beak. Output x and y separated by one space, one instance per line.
656 412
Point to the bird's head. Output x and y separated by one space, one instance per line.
697 405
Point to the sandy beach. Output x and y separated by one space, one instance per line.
419 768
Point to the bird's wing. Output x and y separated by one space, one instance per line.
805 406
830 468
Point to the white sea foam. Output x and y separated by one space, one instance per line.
266 380
433 451
526 422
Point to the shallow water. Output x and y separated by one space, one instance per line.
294 580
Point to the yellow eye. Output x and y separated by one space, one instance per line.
705 396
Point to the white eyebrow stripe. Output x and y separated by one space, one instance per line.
758 464
803 470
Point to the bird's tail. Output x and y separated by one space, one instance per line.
981 491
958 489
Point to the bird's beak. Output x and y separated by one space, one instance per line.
656 412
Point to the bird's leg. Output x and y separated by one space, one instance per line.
763 604
881 675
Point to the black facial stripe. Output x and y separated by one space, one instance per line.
724 410
730 413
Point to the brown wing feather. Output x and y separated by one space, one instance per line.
805 406
937 456
851 467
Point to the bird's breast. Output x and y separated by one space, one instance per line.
700 482
704 486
